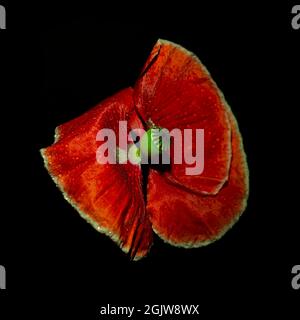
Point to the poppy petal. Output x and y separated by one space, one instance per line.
186 219
109 196
176 91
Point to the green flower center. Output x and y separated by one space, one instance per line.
155 141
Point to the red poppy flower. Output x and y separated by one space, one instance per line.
174 90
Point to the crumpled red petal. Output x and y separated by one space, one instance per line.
186 219
110 197
176 91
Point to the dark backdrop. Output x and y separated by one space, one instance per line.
57 63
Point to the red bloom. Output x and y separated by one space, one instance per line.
174 91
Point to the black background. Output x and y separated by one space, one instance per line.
58 62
